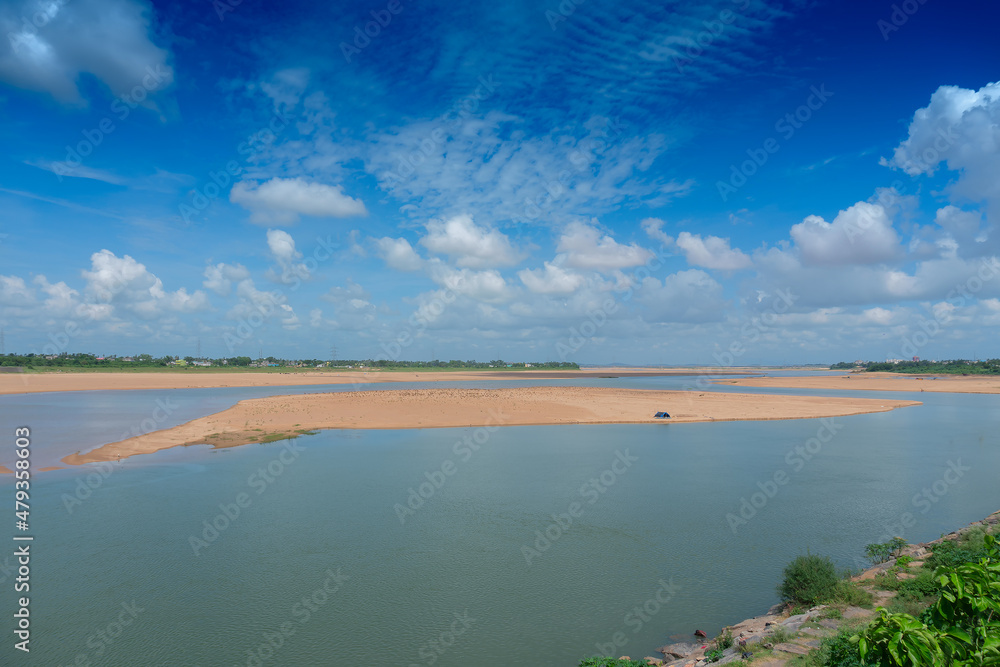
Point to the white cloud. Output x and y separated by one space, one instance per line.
685 296
283 200
487 286
712 252
14 292
585 248
469 244
285 88
654 230
282 246
50 45
220 277
552 279
861 234
398 254
61 297
126 284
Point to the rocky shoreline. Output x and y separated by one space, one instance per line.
786 636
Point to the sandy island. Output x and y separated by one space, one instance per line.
25 383
958 384
279 417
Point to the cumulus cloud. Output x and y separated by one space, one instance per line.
398 254
127 284
861 234
685 296
586 248
283 200
14 291
552 279
712 252
468 244
654 230
50 45
220 277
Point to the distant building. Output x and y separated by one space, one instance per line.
916 358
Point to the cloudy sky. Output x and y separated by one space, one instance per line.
743 181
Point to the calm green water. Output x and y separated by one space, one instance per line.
329 508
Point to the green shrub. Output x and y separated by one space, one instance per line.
952 554
957 629
808 580
715 655
725 640
849 593
917 589
781 635
612 662
877 553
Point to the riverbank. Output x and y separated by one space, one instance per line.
780 638
280 417
26 383
877 382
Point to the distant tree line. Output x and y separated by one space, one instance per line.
83 360
952 366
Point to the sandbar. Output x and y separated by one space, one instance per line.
280 417
24 383
958 384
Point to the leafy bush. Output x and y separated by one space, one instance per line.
612 662
877 553
839 651
952 554
880 553
960 628
725 640
846 592
809 580
904 561
923 586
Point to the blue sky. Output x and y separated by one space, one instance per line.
730 182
